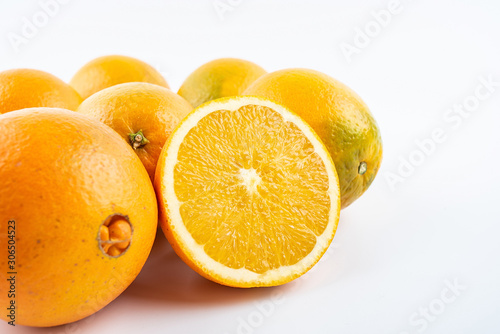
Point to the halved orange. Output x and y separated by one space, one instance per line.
249 195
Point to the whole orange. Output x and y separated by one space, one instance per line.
219 78
143 114
79 210
340 118
107 71
27 88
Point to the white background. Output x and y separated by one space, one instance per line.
398 245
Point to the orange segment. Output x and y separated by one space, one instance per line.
250 196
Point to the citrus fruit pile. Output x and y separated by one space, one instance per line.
246 172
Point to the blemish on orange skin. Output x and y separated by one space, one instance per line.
115 235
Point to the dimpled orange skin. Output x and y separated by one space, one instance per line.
62 175
27 88
107 71
338 115
132 107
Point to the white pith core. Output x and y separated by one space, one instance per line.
250 179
